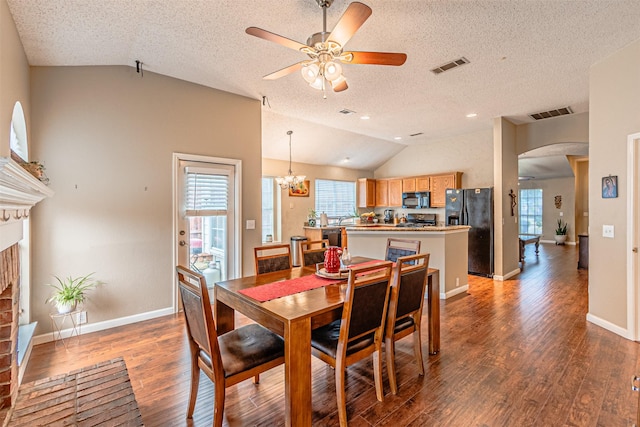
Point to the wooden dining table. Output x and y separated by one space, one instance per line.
294 317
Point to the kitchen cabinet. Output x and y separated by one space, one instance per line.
440 183
395 192
423 183
409 185
313 234
382 192
366 193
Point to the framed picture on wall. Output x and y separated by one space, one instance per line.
609 187
300 190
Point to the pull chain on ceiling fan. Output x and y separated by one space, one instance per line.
325 50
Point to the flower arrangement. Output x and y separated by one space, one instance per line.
561 230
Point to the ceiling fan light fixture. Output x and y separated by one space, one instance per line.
310 72
318 83
332 70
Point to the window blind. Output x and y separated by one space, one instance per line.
335 198
207 194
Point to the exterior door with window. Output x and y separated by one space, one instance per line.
206 219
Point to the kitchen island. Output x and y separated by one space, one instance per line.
447 246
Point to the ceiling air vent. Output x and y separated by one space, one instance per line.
416 134
551 113
449 65
346 111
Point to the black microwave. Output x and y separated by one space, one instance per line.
416 200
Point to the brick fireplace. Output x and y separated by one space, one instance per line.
9 311
19 192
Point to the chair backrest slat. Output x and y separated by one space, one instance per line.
272 258
200 324
313 251
401 247
408 286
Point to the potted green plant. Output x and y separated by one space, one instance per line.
70 291
311 218
561 232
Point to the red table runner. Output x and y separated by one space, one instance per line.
283 288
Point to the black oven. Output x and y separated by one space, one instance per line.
418 200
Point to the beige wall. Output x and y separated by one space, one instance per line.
551 188
107 135
614 105
580 168
14 77
471 154
295 209
505 161
571 128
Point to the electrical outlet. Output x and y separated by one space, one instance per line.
81 318
608 231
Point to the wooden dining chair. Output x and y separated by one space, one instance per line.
272 258
410 275
401 247
313 251
226 359
359 333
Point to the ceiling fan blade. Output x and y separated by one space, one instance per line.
273 37
376 58
339 86
285 71
352 19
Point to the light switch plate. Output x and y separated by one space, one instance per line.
251 224
608 231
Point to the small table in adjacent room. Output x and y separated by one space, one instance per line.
528 238
583 251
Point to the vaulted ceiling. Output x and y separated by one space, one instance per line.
525 56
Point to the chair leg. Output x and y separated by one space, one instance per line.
377 373
256 379
195 382
340 394
390 352
417 349
218 405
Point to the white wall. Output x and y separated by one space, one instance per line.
106 136
614 105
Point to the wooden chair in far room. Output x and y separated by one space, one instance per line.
410 275
401 247
313 251
272 258
360 331
226 359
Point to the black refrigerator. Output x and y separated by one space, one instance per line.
474 207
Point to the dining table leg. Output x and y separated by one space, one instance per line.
297 372
224 316
433 289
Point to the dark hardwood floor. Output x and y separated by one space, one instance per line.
514 353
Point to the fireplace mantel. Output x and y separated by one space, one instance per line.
19 191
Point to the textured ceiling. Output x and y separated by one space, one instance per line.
525 56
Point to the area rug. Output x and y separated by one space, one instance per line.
96 395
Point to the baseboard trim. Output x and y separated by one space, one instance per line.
107 324
623 332
507 276
456 291
554 242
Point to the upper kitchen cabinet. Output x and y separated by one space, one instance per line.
423 183
395 192
382 192
409 185
366 193
440 183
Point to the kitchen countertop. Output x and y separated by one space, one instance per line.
394 228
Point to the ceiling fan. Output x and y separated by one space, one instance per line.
325 50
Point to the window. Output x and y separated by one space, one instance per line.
335 198
531 211
270 204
